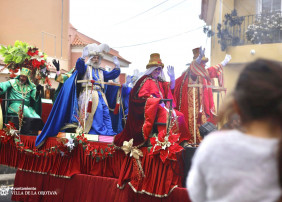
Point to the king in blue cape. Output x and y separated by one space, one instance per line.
90 105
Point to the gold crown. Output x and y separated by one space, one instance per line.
154 61
25 71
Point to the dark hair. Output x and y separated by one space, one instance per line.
258 92
258 96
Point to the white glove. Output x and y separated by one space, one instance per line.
162 104
170 72
201 55
128 79
116 62
85 52
226 60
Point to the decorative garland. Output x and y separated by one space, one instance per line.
64 147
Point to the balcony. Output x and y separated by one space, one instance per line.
264 28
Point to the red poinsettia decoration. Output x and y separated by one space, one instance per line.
32 52
165 145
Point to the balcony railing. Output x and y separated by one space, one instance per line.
257 29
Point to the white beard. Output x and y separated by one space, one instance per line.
93 64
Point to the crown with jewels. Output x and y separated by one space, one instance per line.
25 71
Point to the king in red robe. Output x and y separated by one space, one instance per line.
200 80
145 107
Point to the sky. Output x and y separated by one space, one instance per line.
137 28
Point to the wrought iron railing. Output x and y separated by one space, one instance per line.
257 29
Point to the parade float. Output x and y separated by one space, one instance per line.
81 167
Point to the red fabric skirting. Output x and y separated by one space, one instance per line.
82 188
160 178
46 109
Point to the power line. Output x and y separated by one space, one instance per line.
141 13
176 35
171 7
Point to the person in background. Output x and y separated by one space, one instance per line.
233 122
246 164
117 99
61 78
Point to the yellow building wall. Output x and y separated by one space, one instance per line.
245 7
222 7
38 23
241 55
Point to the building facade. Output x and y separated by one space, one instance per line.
251 31
45 24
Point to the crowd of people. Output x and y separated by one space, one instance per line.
241 162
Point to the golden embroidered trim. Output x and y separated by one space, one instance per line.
151 194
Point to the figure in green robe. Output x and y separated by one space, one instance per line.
22 88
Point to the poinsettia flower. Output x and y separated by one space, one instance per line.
13 75
36 63
30 53
165 145
10 124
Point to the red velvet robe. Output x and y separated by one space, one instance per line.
204 104
144 107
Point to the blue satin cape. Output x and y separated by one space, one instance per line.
63 111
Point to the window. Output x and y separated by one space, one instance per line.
268 5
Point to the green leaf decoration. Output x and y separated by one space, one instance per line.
8 59
3 50
17 59
16 140
17 43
